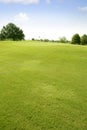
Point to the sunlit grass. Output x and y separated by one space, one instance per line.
43 86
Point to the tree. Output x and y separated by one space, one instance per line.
84 39
75 39
11 31
46 40
63 39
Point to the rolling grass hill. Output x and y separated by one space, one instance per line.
43 86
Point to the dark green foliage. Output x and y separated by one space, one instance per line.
41 40
75 39
84 39
33 39
11 31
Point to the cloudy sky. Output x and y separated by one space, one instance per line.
46 18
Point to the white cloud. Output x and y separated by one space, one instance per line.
48 1
83 9
26 1
20 1
21 18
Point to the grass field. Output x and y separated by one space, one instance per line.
43 86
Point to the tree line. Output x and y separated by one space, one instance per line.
12 32
76 39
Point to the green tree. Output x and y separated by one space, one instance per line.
11 31
76 39
63 40
84 39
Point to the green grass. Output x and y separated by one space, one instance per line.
43 86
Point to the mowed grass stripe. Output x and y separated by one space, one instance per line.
43 86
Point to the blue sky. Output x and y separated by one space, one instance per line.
46 18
